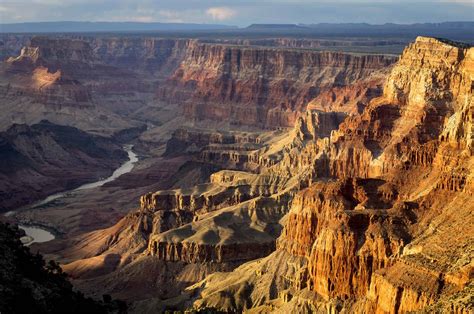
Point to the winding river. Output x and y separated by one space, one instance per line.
39 234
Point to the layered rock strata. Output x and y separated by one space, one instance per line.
357 204
261 86
372 239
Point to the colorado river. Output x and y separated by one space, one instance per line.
39 234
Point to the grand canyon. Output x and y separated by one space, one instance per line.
271 169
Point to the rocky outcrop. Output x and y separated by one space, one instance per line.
317 124
338 230
193 141
351 99
50 69
11 44
174 208
201 253
65 55
61 79
234 234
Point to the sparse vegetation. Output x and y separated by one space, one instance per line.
29 284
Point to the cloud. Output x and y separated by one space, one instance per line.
143 19
171 16
463 2
238 12
221 13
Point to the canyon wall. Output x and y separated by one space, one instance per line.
157 56
261 86
372 239
307 43
60 79
254 86
350 210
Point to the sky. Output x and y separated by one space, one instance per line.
238 12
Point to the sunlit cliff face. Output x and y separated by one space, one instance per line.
42 78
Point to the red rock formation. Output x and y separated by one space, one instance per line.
49 69
65 71
378 243
261 86
371 201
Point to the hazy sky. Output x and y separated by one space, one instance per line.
238 12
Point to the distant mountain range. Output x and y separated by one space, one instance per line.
453 30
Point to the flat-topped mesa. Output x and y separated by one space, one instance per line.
226 188
190 252
236 233
209 198
261 86
193 141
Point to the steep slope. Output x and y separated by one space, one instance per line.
68 78
44 158
199 230
261 86
55 66
157 56
56 79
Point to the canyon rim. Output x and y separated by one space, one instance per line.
274 168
